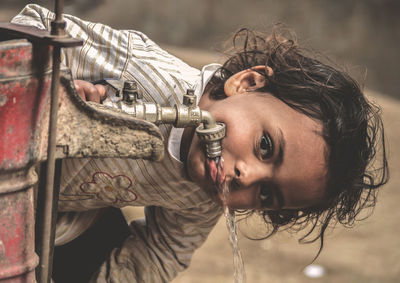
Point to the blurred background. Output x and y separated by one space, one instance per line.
362 35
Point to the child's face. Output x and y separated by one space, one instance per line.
273 155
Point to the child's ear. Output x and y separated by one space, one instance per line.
247 80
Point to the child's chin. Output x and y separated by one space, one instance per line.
212 192
218 199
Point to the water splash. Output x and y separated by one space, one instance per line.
239 275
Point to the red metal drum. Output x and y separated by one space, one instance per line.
24 92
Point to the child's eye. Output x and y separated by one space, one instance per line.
266 198
266 147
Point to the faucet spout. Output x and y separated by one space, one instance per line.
211 134
208 120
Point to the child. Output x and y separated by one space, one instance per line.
300 139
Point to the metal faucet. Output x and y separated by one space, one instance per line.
184 115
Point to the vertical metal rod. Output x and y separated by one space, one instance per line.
57 178
48 212
59 6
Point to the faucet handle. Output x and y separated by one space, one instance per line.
189 99
131 92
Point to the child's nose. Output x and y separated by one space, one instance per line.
249 173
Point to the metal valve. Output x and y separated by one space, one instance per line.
130 92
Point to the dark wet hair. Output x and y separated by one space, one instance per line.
352 127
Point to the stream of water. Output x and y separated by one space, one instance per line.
239 275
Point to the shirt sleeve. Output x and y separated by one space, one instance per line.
160 246
32 15
104 50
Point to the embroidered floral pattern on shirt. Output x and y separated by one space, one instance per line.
109 188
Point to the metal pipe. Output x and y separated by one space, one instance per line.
59 7
47 212
208 120
50 205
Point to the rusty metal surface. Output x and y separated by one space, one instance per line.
23 100
16 58
23 89
17 256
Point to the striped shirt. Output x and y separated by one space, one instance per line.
179 214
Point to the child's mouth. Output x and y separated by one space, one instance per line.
216 172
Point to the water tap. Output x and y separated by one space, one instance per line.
128 97
211 134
